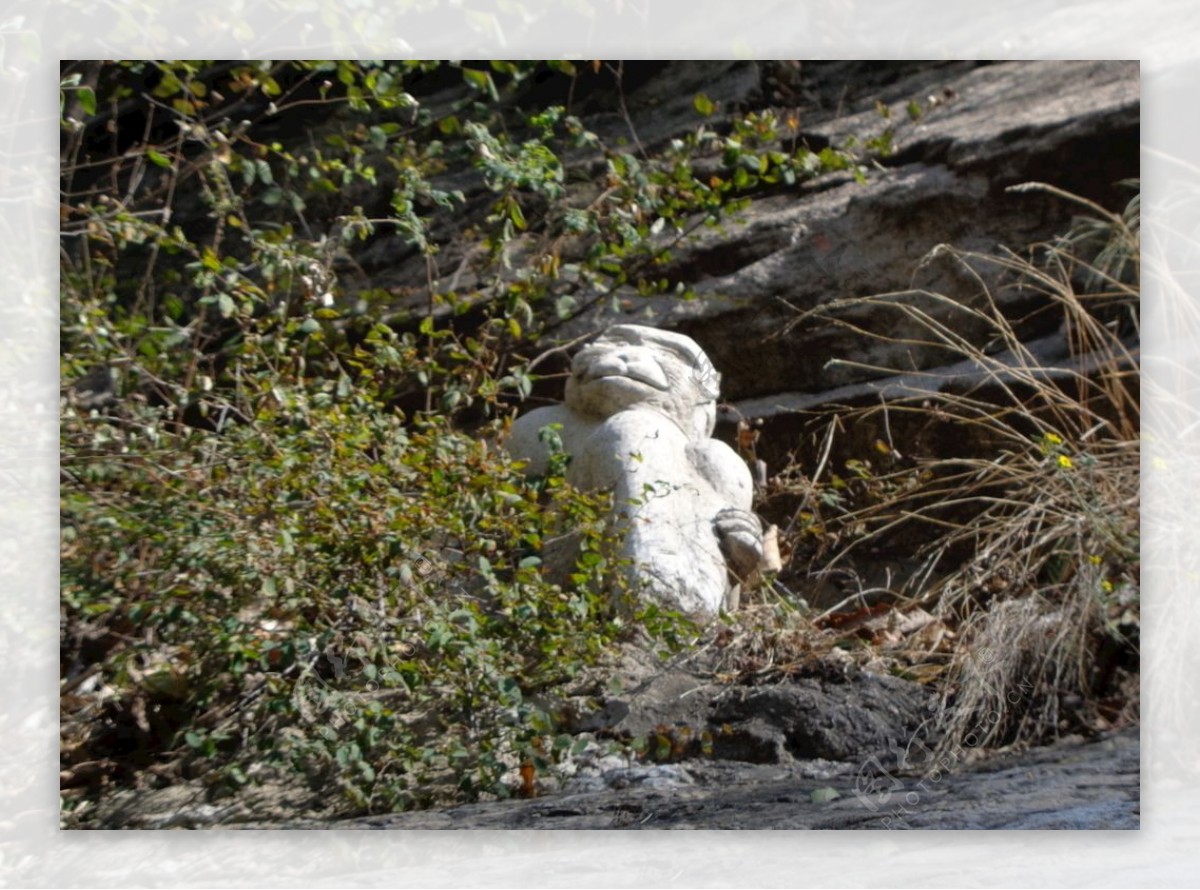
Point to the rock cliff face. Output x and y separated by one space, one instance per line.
963 133
982 129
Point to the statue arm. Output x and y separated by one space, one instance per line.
724 471
739 531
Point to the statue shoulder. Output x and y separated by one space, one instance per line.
525 442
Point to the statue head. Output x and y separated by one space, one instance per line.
632 366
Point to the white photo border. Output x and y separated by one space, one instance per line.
35 34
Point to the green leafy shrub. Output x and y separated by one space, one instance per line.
291 549
312 528
272 567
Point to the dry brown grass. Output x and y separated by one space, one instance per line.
1029 537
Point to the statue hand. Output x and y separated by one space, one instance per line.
741 537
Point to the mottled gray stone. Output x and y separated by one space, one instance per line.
1070 785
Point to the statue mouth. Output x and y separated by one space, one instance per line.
614 369
628 377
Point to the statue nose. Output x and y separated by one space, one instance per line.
608 365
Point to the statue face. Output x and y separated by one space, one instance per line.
631 366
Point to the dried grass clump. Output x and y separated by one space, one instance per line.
1029 538
768 640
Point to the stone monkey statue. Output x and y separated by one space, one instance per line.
638 416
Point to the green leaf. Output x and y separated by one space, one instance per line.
98 608
87 100
210 260
481 80
510 689
564 306
824 795
515 214
704 105
157 158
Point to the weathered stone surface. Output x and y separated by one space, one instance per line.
833 713
1070 785
639 411
812 718
818 751
982 128
1074 125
